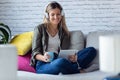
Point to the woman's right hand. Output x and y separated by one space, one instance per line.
44 58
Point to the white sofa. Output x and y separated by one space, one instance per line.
78 41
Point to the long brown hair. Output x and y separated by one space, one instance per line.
53 5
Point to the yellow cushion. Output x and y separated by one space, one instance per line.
23 42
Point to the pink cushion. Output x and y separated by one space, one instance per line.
24 63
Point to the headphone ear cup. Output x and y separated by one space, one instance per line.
62 13
46 15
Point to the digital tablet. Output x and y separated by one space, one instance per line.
65 53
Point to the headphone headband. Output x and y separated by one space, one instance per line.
54 5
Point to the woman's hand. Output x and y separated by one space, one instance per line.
72 58
44 58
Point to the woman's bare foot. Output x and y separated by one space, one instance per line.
82 71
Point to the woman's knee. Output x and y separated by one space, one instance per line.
87 51
92 51
86 55
90 48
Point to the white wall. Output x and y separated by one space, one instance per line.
85 15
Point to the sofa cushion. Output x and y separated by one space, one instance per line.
93 40
96 75
24 63
23 42
77 40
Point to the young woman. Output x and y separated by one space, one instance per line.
51 36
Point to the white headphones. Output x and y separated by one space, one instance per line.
46 14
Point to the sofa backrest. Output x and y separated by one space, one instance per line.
93 40
77 40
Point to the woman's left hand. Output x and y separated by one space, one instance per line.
72 58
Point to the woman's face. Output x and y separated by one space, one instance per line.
55 16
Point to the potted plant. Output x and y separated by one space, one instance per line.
5 34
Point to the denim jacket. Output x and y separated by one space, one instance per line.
40 41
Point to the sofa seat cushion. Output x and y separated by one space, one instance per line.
96 75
